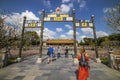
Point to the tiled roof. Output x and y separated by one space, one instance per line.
59 41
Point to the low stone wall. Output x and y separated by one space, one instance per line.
115 60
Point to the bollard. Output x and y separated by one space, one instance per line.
111 58
5 58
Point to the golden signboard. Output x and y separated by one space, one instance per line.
51 15
33 24
64 15
58 18
84 24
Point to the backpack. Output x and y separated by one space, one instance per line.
82 61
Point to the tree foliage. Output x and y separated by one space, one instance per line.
113 18
114 37
87 41
106 41
8 34
31 38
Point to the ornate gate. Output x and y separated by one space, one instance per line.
58 16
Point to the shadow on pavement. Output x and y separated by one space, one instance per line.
76 73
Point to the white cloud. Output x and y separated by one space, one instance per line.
87 30
66 8
68 26
70 33
16 19
47 3
51 10
105 10
101 34
63 36
82 37
82 3
30 15
71 5
78 1
49 33
40 12
59 29
65 1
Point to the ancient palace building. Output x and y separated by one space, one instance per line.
59 42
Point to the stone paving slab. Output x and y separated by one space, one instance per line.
60 69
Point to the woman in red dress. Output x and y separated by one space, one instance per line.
83 72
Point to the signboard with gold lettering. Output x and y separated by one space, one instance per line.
33 23
52 15
58 18
64 15
84 24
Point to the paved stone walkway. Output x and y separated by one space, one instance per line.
60 69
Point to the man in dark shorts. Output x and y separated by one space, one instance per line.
66 52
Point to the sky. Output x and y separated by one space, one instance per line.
84 9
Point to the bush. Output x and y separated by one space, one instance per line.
104 61
12 60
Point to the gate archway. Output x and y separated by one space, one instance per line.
58 16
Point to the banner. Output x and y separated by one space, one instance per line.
58 18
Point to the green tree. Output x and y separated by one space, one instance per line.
4 31
81 43
112 40
114 37
31 38
8 34
88 41
101 39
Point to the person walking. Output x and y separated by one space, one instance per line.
58 52
83 69
54 52
50 50
66 52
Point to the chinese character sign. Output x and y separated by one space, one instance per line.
84 24
33 23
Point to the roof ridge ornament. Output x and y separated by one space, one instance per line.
58 10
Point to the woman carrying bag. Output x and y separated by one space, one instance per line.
83 69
